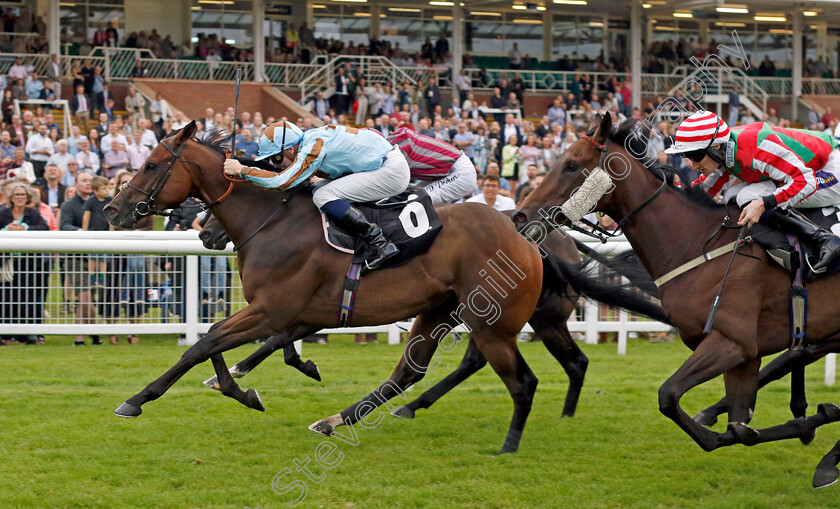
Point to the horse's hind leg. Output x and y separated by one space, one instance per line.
249 398
472 362
826 473
550 326
414 364
271 345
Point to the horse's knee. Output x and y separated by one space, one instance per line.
668 400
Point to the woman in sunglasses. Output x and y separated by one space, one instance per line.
361 164
778 170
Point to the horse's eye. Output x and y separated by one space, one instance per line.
570 166
151 166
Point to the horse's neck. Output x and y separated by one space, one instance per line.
669 231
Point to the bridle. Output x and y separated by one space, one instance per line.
146 207
597 231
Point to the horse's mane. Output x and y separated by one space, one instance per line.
634 137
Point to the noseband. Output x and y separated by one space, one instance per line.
146 207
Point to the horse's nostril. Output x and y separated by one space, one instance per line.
519 218
110 212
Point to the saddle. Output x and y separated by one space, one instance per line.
408 219
789 252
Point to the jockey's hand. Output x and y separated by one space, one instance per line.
752 213
233 167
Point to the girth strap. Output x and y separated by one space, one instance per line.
348 294
700 260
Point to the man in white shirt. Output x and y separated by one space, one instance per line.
17 71
515 57
112 136
209 119
178 121
61 156
88 161
135 104
54 74
74 140
39 147
511 129
137 152
213 58
490 196
148 136
462 81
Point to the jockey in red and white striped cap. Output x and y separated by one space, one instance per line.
780 170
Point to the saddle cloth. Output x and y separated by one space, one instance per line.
782 252
408 219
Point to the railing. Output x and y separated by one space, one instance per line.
119 62
61 104
157 285
719 81
195 69
37 61
21 41
289 75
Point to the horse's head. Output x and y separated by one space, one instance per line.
162 182
213 235
576 184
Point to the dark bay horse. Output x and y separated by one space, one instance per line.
295 284
668 226
557 302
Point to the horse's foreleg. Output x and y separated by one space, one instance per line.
472 362
827 472
229 388
237 330
415 362
271 345
715 355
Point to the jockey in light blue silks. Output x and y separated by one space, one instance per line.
363 165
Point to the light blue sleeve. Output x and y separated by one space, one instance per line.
309 159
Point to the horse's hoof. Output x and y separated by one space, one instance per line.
506 450
825 476
830 410
746 434
311 370
254 400
403 412
808 436
705 419
212 383
128 410
322 427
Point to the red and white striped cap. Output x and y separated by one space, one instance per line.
697 131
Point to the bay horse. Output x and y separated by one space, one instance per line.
667 227
295 283
557 302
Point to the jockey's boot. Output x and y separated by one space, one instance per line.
792 221
355 221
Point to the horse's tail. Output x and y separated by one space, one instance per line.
560 273
626 264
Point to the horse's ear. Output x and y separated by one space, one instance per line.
603 129
188 131
595 122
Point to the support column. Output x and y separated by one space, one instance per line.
703 38
636 52
605 39
53 28
797 63
259 39
822 40
375 12
547 41
186 21
457 39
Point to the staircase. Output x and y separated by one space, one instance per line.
719 82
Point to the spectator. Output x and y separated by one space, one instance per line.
114 161
361 102
98 88
39 148
390 100
529 153
138 71
137 152
55 75
548 153
102 126
734 105
246 142
439 132
828 117
17 71
213 58
69 178
441 45
7 150
544 129
510 162
531 175
7 106
93 219
34 87
148 138
319 105
74 140
160 110
481 148
135 104
114 135
20 167
510 129
462 81
342 91
88 160
432 98
767 68
489 195
210 119
465 141
28 285
80 106
60 157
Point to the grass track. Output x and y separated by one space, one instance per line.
63 447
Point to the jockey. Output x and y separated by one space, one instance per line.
448 172
369 167
781 169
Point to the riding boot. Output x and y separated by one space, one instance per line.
355 221
792 221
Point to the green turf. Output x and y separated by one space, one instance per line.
63 447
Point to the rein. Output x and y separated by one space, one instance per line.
146 207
